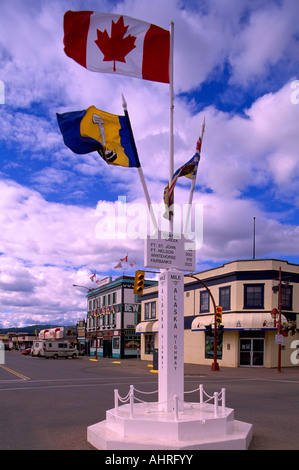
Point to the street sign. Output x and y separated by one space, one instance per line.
278 339
2 353
169 252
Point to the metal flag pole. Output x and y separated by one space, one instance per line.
253 255
141 175
171 111
194 180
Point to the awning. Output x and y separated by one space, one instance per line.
144 327
155 328
238 321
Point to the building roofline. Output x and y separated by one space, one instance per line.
118 282
246 261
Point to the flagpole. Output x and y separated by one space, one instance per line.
193 182
171 110
142 179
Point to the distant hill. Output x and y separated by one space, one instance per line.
31 328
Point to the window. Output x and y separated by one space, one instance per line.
224 298
114 298
150 310
209 345
204 301
253 295
287 297
149 344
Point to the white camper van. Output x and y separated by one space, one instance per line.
54 348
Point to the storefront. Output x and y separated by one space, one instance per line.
116 344
243 339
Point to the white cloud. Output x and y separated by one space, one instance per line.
257 48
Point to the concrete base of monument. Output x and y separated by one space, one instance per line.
195 427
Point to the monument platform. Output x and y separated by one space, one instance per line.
196 426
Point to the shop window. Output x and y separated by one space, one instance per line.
253 295
149 341
224 298
209 345
204 301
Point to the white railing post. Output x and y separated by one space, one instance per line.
223 399
131 401
176 408
216 404
116 400
201 394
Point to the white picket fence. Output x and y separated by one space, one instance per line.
131 398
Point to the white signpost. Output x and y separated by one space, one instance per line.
170 254
171 339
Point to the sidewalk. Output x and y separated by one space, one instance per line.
242 372
205 371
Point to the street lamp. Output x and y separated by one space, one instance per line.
90 290
279 290
215 365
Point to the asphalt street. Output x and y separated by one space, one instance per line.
48 404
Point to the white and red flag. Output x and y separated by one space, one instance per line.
112 43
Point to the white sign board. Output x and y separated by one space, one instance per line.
278 339
2 353
169 253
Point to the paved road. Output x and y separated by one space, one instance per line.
48 404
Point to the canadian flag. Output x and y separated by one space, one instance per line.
104 42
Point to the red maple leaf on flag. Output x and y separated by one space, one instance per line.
117 46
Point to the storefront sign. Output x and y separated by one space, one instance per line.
103 282
132 308
81 332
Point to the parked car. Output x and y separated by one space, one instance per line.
26 351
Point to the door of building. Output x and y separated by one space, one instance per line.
252 352
107 348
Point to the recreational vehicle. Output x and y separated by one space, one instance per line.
54 348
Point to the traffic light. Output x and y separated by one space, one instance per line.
139 282
218 314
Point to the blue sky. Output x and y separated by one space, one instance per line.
236 63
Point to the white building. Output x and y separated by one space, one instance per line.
113 311
247 290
